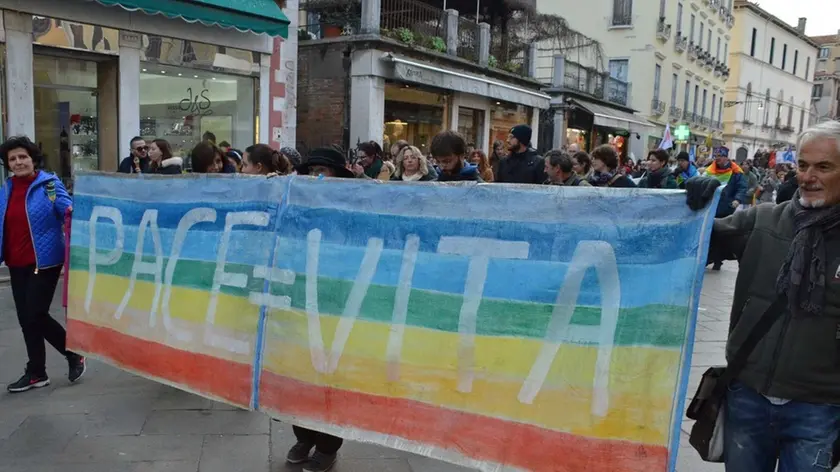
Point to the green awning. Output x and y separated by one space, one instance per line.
258 16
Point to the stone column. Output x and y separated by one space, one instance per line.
367 109
559 128
129 89
451 28
559 71
532 60
371 16
20 93
264 132
483 44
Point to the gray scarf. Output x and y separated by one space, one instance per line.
802 276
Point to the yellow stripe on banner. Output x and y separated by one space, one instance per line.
187 304
641 385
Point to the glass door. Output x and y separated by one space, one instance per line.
66 115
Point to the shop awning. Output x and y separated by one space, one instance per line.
612 117
258 16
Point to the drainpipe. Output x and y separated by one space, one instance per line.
346 63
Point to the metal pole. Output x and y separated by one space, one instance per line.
477 9
444 5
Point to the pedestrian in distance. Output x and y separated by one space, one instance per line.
560 170
261 159
412 166
450 150
605 167
659 174
206 158
523 164
33 205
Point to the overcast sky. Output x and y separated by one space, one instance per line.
823 15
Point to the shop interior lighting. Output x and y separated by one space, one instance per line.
144 70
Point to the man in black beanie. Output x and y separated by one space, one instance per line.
523 165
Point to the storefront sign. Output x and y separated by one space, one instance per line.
460 83
381 318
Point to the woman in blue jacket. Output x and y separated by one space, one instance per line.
32 205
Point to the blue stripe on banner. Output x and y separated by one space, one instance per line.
634 242
538 204
538 281
169 214
165 189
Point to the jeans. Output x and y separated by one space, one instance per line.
757 433
324 443
33 295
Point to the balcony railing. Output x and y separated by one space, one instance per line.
468 38
714 4
657 107
330 18
723 12
680 42
688 116
675 113
597 84
412 21
663 31
710 61
703 121
730 20
692 51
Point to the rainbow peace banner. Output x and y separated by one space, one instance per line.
497 327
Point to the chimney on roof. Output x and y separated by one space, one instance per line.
801 26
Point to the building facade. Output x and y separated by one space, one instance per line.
405 70
768 95
84 77
826 92
672 54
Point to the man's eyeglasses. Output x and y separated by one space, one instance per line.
141 148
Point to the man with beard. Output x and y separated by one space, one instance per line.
523 165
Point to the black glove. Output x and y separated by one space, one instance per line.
699 191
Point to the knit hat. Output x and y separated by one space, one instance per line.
291 154
327 157
522 133
683 156
721 151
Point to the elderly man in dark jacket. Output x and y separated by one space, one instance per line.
785 403
523 164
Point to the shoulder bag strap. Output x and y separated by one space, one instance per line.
761 328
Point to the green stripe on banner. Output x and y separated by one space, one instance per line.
654 325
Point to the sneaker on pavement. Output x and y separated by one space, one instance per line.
78 366
320 462
299 453
28 382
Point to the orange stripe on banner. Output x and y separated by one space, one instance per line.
200 373
475 436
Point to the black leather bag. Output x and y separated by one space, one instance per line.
708 406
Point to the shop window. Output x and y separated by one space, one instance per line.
471 125
413 114
181 104
504 116
66 115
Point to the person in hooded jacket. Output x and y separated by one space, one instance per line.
450 149
659 175
33 206
523 165
685 169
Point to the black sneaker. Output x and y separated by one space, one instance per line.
320 462
78 366
299 453
28 382
717 266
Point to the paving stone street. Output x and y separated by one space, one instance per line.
113 421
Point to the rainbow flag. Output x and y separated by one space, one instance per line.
517 327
